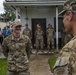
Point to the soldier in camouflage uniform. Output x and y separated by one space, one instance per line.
27 32
66 63
50 36
39 37
16 48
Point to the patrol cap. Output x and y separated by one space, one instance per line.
69 5
38 26
17 23
49 24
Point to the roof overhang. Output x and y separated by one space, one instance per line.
48 3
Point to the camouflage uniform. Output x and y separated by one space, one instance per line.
66 63
39 38
50 37
67 38
27 32
17 52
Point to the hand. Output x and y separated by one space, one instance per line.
52 74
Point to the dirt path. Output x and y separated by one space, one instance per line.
39 65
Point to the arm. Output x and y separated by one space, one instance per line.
62 65
47 32
5 48
29 48
53 32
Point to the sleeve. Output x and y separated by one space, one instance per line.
62 65
5 49
29 48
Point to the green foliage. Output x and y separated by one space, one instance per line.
9 14
51 62
3 68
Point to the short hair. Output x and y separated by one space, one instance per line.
68 12
26 24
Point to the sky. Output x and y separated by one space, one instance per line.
1 6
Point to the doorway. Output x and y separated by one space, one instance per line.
42 22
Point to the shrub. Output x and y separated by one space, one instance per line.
3 67
51 62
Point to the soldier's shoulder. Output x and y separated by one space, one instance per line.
70 44
74 42
8 38
25 37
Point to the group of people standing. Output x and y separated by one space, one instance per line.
39 36
4 33
50 37
17 47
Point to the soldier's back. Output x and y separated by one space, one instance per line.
66 63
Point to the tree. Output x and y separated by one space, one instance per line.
9 14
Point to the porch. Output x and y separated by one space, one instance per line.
39 11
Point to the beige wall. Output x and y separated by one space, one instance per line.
2 25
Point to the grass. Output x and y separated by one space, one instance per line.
51 62
3 63
3 68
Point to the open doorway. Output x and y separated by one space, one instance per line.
42 22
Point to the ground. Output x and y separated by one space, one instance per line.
39 65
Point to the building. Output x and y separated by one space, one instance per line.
2 19
2 25
38 11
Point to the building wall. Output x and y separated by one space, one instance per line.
49 14
38 12
2 25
